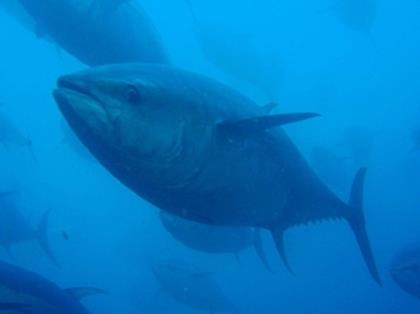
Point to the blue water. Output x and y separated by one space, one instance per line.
105 236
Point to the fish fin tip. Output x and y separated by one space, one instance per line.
251 126
278 236
83 292
356 220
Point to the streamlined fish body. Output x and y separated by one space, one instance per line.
15 228
196 289
405 270
205 238
213 239
23 291
10 135
98 32
200 150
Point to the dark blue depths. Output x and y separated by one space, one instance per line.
354 62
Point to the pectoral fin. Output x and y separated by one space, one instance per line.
82 292
268 108
247 127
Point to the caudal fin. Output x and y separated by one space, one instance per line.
356 219
42 236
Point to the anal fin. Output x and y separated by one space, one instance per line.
258 245
278 237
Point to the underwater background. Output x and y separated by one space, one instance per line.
364 81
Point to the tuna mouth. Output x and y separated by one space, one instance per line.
70 84
78 105
74 92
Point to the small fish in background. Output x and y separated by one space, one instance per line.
240 55
15 228
191 287
65 235
405 270
359 15
213 239
11 136
95 32
23 291
14 9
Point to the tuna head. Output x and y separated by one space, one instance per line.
405 271
130 121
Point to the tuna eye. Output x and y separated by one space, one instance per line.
132 95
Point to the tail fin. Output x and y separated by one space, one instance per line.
42 236
356 220
258 245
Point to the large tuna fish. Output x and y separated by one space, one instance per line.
240 56
96 31
200 150
15 228
192 288
405 270
22 291
213 239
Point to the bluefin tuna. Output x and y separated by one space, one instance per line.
200 150
239 55
191 287
15 228
10 135
213 239
405 270
98 32
23 291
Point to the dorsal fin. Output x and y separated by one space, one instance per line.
268 108
254 125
